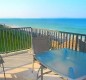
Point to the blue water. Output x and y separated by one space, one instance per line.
68 25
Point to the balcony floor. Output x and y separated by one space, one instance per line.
19 67
25 73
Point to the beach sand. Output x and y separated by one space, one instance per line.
67 44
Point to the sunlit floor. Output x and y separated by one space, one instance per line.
19 67
25 73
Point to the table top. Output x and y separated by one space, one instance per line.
66 62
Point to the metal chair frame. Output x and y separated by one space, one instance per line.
42 41
2 65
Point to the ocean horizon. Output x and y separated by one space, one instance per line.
75 25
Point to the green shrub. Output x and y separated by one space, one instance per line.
13 39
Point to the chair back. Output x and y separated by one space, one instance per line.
40 44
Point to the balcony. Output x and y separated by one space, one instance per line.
16 50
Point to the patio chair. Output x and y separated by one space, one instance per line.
40 44
2 66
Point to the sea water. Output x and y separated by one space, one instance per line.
62 24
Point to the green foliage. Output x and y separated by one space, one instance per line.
13 40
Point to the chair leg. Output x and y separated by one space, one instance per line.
41 76
33 65
41 72
4 72
38 74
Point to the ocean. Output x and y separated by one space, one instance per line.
61 24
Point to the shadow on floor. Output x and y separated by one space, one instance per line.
28 75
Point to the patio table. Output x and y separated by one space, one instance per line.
65 62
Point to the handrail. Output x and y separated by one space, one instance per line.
13 39
60 39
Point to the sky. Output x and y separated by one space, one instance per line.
42 8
